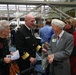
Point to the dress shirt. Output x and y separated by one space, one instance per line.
45 33
59 36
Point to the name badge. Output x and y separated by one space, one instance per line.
27 37
53 40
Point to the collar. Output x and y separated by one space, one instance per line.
60 35
27 27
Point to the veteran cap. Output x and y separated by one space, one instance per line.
58 23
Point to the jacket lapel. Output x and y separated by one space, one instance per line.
60 42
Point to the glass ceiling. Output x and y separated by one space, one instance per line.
12 10
15 9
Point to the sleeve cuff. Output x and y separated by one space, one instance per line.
25 56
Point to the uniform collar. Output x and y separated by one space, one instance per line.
27 27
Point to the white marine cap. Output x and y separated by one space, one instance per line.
58 23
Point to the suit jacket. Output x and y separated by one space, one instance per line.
25 43
61 52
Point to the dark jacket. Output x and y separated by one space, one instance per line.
25 43
4 50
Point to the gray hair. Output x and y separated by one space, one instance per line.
58 22
4 24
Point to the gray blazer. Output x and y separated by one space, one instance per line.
61 52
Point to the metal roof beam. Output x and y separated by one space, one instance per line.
25 13
23 2
63 13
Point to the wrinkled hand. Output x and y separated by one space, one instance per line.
44 50
32 60
46 45
7 60
50 58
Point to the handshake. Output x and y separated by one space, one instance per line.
50 57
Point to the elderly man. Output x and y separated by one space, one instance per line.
61 46
27 44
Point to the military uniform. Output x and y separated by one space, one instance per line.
27 45
4 50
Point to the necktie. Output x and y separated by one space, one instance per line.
58 39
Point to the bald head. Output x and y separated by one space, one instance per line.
29 20
28 16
